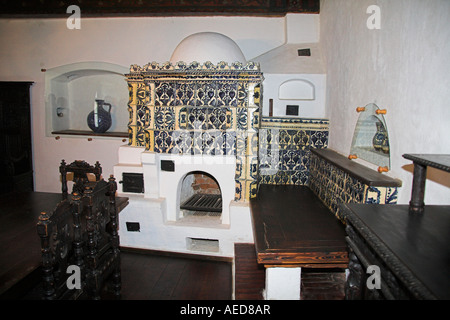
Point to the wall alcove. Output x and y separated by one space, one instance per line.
70 93
370 138
296 89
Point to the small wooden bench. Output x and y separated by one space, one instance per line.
298 227
293 227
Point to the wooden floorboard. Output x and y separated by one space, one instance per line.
166 277
322 285
156 277
249 275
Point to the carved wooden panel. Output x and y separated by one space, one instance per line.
159 7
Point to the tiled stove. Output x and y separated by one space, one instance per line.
184 119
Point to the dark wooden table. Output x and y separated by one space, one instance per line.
408 243
20 247
411 249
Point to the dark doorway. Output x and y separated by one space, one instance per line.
16 163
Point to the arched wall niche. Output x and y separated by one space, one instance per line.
296 89
70 93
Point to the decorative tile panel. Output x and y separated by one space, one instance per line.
242 94
241 118
143 94
183 141
165 118
284 145
334 186
199 109
219 118
185 92
164 93
227 94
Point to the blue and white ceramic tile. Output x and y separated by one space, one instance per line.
165 118
284 146
333 186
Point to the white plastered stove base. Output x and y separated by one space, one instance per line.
156 213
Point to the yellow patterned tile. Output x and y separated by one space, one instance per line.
239 187
132 135
241 168
253 119
133 131
133 114
149 140
251 144
250 189
257 95
132 92
142 94
251 167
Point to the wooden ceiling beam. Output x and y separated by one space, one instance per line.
120 8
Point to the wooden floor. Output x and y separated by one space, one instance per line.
148 277
167 277
322 284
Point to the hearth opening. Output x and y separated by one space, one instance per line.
200 196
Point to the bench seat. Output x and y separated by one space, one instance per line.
292 227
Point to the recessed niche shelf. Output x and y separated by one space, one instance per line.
296 89
91 133
71 90
371 139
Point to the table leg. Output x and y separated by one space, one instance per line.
418 188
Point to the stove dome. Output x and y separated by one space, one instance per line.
207 46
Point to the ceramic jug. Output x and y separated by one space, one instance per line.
99 119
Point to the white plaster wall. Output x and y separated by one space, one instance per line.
29 45
402 67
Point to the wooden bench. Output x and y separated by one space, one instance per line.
294 227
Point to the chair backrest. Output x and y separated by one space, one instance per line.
103 253
57 233
80 170
81 232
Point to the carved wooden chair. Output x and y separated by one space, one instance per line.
80 170
57 233
102 243
82 231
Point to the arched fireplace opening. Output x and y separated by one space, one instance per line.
200 196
